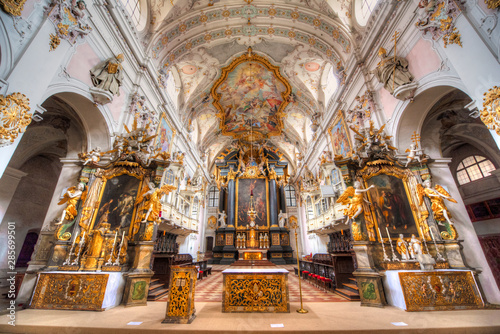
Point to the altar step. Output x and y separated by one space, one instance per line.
349 290
157 290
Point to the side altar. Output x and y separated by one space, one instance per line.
106 231
255 290
404 237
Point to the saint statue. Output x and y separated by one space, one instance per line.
222 218
353 197
415 245
392 71
108 75
402 248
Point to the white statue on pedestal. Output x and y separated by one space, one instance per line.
281 219
402 248
222 218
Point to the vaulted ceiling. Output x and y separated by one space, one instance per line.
308 41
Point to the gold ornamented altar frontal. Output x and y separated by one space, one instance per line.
70 292
255 292
440 290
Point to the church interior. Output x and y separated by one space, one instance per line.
247 165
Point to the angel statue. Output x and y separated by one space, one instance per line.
71 198
353 197
441 213
152 200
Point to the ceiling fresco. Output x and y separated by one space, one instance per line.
251 96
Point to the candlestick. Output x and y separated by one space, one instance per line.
117 261
82 240
386 258
438 253
109 263
394 256
68 259
425 242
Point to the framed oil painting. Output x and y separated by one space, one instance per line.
243 189
116 205
391 205
341 142
165 135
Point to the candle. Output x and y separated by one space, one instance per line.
432 235
116 235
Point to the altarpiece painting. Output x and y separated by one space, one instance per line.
259 189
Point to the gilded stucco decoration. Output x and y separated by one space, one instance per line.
251 96
439 291
492 4
13 7
69 20
180 307
70 291
437 19
255 293
14 117
490 115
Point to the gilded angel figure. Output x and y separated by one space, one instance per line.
437 197
354 198
71 198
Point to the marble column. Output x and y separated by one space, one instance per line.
231 202
229 251
273 203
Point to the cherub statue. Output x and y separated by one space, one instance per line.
414 153
93 156
222 218
108 75
354 198
71 198
437 197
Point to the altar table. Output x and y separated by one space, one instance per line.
255 290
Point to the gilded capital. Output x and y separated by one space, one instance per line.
14 117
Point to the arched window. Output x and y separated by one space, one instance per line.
213 197
169 177
473 168
133 9
290 196
336 180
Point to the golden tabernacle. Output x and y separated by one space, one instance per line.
252 290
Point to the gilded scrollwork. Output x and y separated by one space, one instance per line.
447 290
179 304
255 293
492 4
490 115
70 291
438 20
14 117
13 7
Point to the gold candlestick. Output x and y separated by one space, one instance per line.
301 310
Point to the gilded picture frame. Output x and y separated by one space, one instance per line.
387 178
251 100
165 135
339 136
117 196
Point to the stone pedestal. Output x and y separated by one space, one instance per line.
143 251
371 288
453 251
229 251
136 289
276 250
